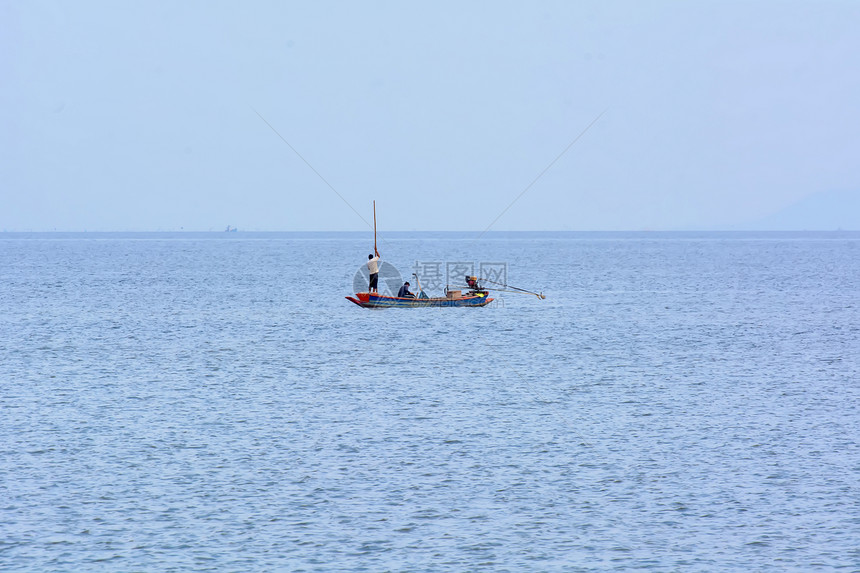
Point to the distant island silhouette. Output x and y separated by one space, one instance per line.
824 211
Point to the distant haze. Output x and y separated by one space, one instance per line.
143 116
826 211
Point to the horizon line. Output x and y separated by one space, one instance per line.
261 231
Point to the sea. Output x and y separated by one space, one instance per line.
212 402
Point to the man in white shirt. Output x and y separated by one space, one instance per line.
373 267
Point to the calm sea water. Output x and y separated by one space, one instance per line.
213 403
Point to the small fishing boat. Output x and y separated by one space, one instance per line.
454 298
478 295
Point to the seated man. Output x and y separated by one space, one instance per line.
477 290
404 291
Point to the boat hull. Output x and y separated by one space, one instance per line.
373 300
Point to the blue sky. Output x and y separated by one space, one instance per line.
143 115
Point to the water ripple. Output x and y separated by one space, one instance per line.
178 405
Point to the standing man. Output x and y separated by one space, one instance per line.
373 267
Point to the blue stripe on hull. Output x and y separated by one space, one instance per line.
376 301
